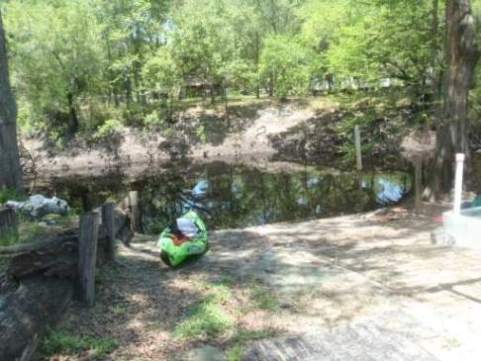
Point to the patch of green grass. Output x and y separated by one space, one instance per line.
119 310
30 231
226 281
206 320
33 231
235 353
66 221
60 342
220 293
242 337
208 317
8 239
264 298
10 194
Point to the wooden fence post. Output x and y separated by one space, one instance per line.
88 239
418 184
8 224
134 210
108 220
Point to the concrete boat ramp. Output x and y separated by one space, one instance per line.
366 287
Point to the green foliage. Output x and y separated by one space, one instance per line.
285 65
154 119
243 337
56 59
379 116
207 318
235 353
98 60
373 45
8 239
203 41
108 129
9 194
59 342
162 74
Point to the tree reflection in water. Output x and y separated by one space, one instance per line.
240 196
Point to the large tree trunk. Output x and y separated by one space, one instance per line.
462 56
10 170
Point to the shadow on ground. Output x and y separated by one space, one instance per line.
319 275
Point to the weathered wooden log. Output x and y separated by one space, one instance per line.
58 256
8 223
58 260
88 241
27 312
31 247
134 208
123 228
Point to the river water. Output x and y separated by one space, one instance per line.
238 195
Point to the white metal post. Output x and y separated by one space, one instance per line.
458 183
357 137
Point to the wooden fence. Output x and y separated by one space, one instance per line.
42 278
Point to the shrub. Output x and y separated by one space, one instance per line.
154 119
108 129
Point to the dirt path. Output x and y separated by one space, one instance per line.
288 283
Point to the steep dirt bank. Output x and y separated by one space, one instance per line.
308 130
199 134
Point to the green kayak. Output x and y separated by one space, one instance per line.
176 247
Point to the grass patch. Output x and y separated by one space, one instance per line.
207 318
30 231
8 239
10 194
60 342
236 352
119 310
264 298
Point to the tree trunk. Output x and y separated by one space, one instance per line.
212 93
10 170
462 55
435 71
73 126
128 90
271 86
258 85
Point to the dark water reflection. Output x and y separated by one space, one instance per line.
238 196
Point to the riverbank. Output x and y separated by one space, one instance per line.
314 130
281 284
